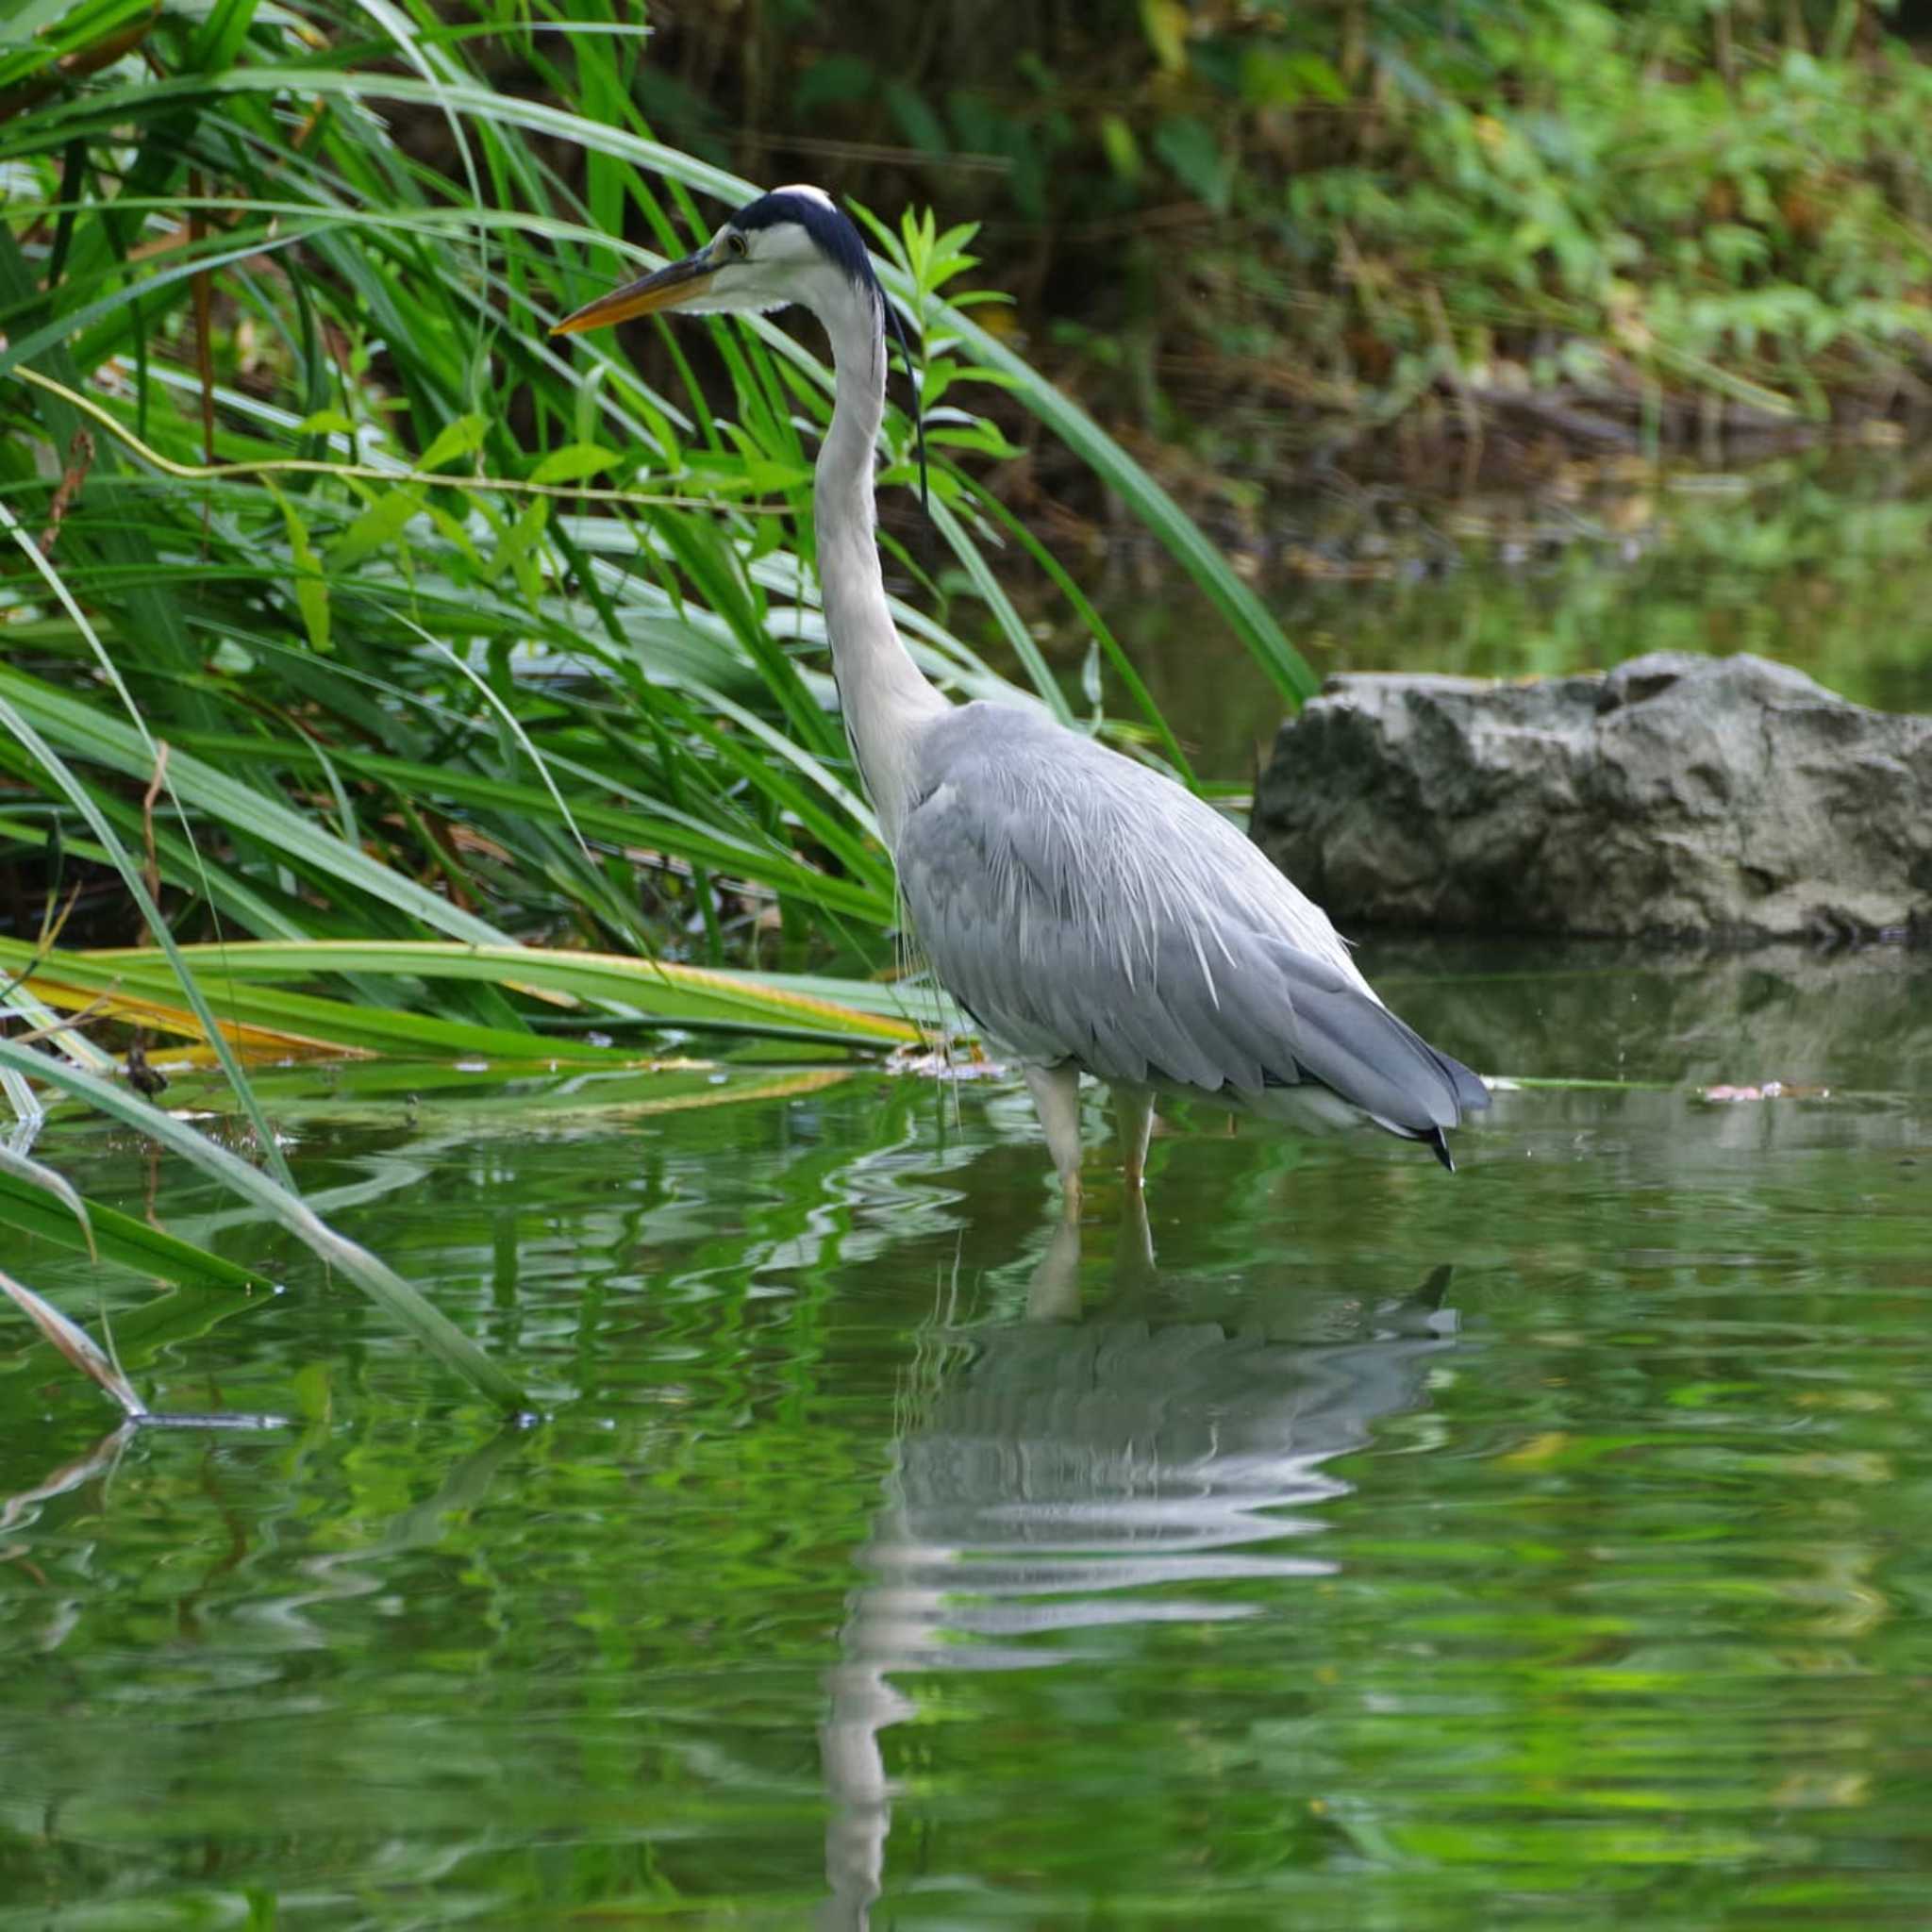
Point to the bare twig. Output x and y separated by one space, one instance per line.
151 867
80 456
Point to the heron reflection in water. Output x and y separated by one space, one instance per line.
1072 1476
1092 916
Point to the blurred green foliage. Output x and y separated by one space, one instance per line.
1341 211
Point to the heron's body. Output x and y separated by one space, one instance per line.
1090 914
1171 958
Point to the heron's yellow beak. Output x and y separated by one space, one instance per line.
664 288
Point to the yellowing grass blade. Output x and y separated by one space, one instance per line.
253 1045
660 989
782 1087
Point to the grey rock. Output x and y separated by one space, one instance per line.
1677 795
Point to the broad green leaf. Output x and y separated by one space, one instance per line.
18 1170
376 528
462 438
311 585
573 463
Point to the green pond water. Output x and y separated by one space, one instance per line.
1353 1546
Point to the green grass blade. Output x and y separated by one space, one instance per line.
1185 542
138 891
18 1172
118 1239
83 732
387 1288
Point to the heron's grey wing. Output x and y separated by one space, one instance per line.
1030 875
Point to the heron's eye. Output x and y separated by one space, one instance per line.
736 245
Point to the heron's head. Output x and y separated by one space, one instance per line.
790 245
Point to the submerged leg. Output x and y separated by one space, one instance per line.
1133 1112
1054 1294
1134 1264
1056 1092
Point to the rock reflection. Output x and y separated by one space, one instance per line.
1846 1018
1065 1476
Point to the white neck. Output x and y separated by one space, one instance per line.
885 698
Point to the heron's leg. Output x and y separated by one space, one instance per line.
1056 1092
1133 1108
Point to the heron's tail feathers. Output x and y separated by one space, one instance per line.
1354 1046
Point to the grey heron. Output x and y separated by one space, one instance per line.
1088 913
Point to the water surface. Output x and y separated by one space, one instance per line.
1351 1545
